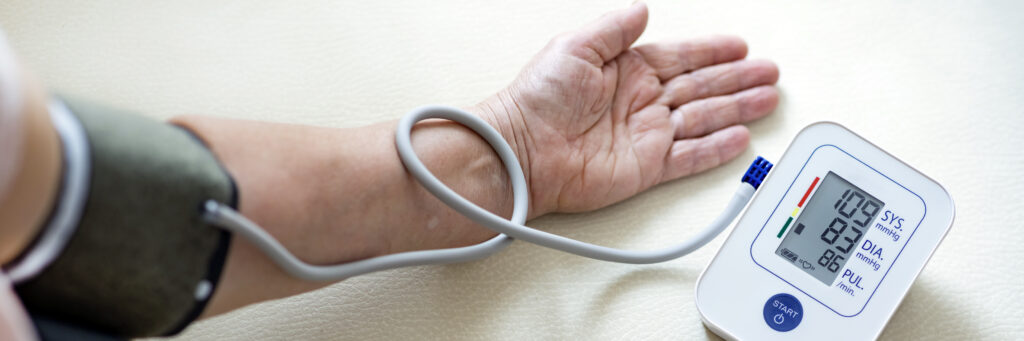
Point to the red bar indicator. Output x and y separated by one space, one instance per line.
808 193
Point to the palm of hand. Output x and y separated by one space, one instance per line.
594 121
597 136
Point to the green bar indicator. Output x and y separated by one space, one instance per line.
784 227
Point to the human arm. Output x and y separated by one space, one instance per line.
32 182
342 196
29 171
592 121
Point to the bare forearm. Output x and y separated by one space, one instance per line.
25 204
338 195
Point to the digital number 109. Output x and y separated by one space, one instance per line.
848 206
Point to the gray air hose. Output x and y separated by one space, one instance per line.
223 216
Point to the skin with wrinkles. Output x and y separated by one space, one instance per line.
595 122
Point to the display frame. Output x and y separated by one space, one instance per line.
829 157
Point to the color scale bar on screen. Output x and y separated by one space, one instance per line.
798 206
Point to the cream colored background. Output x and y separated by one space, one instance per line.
937 84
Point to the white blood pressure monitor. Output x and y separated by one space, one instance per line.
829 245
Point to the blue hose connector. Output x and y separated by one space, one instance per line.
757 172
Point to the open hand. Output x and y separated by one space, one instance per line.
594 121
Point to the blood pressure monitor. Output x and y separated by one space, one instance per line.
828 246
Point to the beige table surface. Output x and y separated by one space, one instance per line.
940 85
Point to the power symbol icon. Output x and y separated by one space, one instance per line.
782 312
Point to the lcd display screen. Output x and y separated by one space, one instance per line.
829 228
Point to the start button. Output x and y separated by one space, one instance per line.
783 312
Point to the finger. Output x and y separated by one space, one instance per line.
704 116
692 156
14 322
605 38
672 59
718 80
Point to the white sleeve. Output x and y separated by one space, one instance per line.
10 115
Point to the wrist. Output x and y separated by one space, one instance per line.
501 111
463 161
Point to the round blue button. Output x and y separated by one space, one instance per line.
783 312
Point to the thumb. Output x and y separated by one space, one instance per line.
605 38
